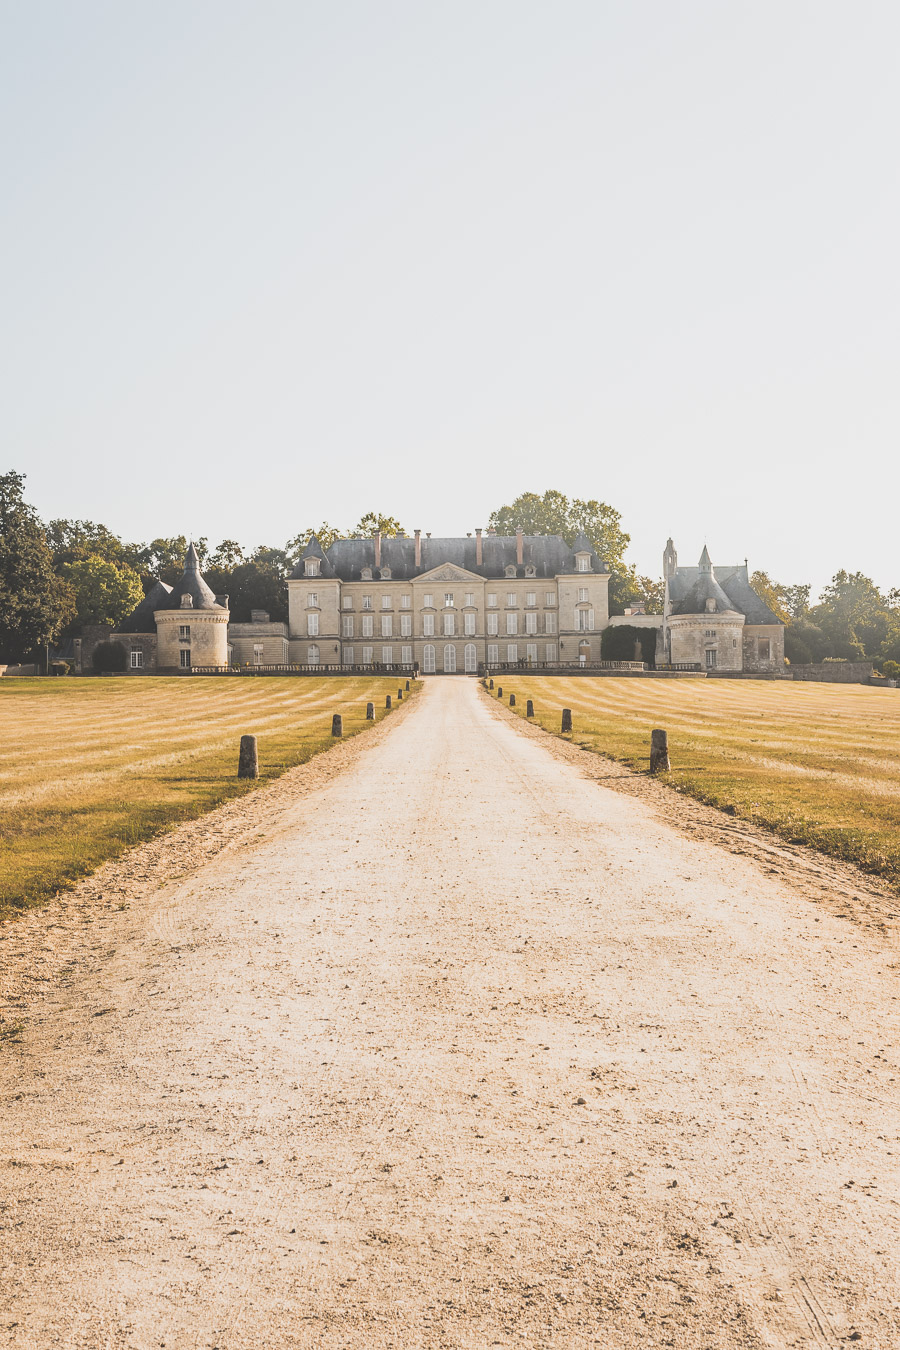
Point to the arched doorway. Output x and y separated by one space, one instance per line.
449 659
428 660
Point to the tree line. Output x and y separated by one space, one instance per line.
57 577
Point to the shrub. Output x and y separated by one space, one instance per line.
891 670
110 656
618 643
60 668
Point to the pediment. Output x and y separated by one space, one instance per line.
448 572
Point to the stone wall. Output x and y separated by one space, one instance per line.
835 672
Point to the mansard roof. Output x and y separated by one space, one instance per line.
548 554
732 581
141 620
191 584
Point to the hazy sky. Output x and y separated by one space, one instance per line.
266 263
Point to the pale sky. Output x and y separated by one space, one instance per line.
264 263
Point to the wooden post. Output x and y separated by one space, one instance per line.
337 725
499 690
248 759
659 752
529 709
407 686
512 700
492 684
566 719
399 695
370 712
387 701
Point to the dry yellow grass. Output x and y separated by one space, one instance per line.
817 763
89 767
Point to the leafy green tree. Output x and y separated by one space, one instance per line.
163 559
774 595
325 533
103 591
373 523
227 555
109 656
71 540
34 602
854 615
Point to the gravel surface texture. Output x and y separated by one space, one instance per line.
455 1037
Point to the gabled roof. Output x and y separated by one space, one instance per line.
141 620
732 580
313 550
191 584
548 554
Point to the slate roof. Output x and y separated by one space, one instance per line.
314 550
141 619
548 554
734 584
191 584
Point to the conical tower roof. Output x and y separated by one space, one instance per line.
191 584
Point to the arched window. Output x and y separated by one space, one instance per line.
470 662
312 655
428 659
449 659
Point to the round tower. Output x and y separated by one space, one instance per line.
192 624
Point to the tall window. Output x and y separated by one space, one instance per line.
469 624
184 658
585 619
368 625
550 651
530 623
257 654
184 632
512 623
582 595
449 625
470 659
405 601
510 597
428 625
406 625
550 598
348 656
448 600
312 600
387 625
450 659
765 649
385 602
492 602
137 658
367 602
406 656
711 658
428 659
470 597
512 652
312 654
367 655
347 601
530 598
493 654
531 653
312 625
348 626
387 656
492 620
428 601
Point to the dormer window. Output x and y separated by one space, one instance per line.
510 571
312 567
583 562
530 571
187 602
711 606
385 574
367 574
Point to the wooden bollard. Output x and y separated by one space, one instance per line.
399 695
659 752
492 684
387 701
248 759
499 690
337 725
566 719
529 709
370 712
407 686
512 700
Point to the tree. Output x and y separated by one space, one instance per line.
774 595
103 592
325 533
71 540
109 656
855 616
228 554
34 602
374 523
628 642
163 559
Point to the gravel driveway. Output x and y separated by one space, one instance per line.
442 1041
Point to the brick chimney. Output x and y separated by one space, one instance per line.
377 548
520 554
418 548
479 552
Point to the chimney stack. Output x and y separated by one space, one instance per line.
479 552
520 557
418 548
377 548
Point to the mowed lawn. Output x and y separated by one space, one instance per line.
817 763
89 767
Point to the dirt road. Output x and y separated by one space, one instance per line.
464 1049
